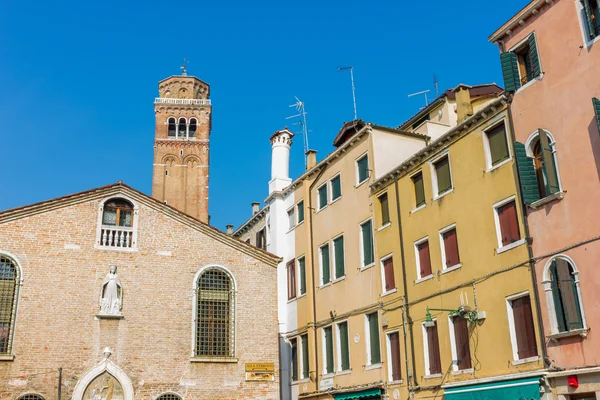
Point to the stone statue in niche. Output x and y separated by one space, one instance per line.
111 293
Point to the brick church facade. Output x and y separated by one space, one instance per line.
110 294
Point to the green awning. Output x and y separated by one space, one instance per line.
520 389
373 392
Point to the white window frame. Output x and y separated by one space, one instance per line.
292 220
428 373
301 361
332 259
443 249
319 205
298 222
582 24
298 277
434 181
383 282
418 260
487 148
330 194
389 356
363 155
453 348
364 266
338 348
368 364
501 249
134 224
324 348
515 48
321 283
511 328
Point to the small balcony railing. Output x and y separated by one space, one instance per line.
116 236
193 102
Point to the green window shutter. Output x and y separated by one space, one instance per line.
325 264
527 176
301 211
596 104
305 366
385 209
363 169
568 295
367 239
302 272
374 338
328 350
589 21
498 144
558 309
344 348
336 188
510 71
338 250
549 166
419 189
322 191
442 173
534 57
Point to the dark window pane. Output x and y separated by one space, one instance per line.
344 348
498 144
325 267
338 251
419 189
442 172
367 243
294 359
300 211
336 188
385 210
302 272
322 196
374 339
363 169
328 350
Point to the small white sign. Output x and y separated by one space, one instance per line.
326 384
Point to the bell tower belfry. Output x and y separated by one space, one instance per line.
181 144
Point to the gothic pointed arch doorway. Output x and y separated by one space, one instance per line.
105 381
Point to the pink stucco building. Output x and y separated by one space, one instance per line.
550 55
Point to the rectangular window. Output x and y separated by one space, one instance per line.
591 18
261 239
497 145
304 348
325 267
385 210
443 179
336 188
291 219
423 259
294 359
419 189
565 294
302 275
338 257
389 282
343 347
433 364
523 331
322 197
461 348
300 211
366 240
508 223
521 65
362 169
394 354
328 350
373 348
450 254
291 279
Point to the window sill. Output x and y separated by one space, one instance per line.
334 200
394 290
511 246
359 184
432 376
321 209
230 360
453 268
588 43
495 167
290 230
299 223
7 357
327 375
336 280
548 199
325 285
292 300
346 372
463 371
422 206
367 266
526 360
301 296
384 226
123 249
447 192
104 316
398 382
426 278
373 366
531 82
583 332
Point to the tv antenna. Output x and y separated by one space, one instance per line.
436 85
422 92
353 90
301 121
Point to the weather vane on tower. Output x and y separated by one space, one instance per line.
184 67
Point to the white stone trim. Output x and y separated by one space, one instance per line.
105 365
16 261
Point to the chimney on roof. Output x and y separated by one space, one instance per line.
464 108
229 229
311 159
255 207
281 142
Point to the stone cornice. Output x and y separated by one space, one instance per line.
519 19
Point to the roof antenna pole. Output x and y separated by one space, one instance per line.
422 92
436 85
353 89
299 105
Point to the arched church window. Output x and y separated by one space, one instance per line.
9 279
193 126
215 308
172 130
31 396
118 212
168 396
117 228
181 128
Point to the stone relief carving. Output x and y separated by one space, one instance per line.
111 293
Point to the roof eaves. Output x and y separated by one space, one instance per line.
518 19
250 222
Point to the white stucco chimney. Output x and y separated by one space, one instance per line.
255 207
281 142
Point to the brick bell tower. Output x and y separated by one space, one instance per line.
181 144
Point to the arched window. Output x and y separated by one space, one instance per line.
118 212
172 131
193 126
117 224
542 151
181 128
215 309
565 295
9 280
168 396
31 396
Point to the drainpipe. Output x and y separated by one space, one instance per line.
405 287
536 293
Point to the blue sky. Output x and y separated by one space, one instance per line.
78 81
